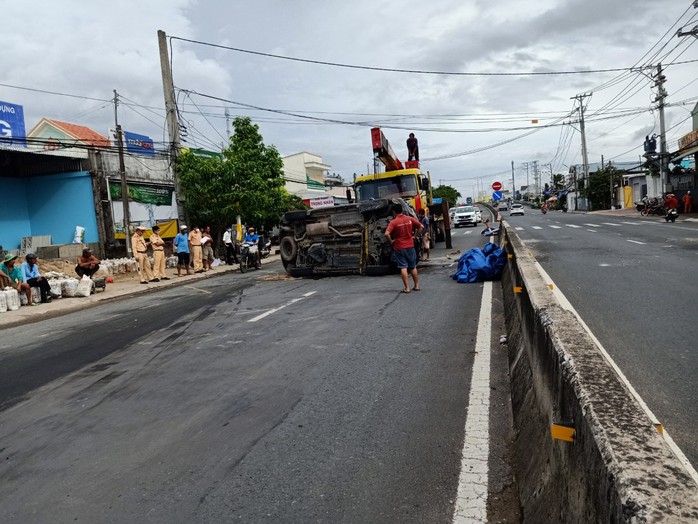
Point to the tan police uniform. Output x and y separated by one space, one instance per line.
158 245
140 247
196 251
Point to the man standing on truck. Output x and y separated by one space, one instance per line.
400 233
412 148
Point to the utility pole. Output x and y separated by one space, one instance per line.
172 123
585 158
513 183
122 174
227 122
659 80
535 177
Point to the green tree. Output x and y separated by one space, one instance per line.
598 187
247 180
448 193
558 181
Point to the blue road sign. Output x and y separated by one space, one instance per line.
497 195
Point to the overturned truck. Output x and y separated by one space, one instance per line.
339 240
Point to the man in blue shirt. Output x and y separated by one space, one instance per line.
252 238
181 242
31 275
12 276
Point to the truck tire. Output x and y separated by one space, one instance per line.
288 249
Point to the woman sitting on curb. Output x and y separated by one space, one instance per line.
12 276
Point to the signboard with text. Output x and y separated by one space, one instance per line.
497 186
12 129
327 201
145 194
140 144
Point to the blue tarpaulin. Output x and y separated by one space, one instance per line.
478 265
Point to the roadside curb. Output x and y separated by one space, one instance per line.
64 306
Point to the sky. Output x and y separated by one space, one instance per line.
473 119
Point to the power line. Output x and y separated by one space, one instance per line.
396 70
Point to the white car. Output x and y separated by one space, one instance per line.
516 209
464 216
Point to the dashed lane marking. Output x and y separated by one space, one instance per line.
471 501
271 311
592 225
556 227
611 224
573 225
536 227
519 228
201 290
635 241
632 223
592 230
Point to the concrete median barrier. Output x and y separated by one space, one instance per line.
618 467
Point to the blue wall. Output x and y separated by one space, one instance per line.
14 213
47 205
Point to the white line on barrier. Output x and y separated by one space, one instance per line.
471 501
665 434
266 314
635 241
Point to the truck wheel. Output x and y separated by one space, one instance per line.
288 249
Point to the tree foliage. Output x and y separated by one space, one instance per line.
598 187
448 193
247 180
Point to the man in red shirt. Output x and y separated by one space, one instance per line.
400 234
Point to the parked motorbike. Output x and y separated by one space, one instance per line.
248 258
264 247
671 215
653 210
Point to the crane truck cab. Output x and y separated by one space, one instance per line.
405 181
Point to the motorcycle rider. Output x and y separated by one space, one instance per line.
252 238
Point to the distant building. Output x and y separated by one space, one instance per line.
53 135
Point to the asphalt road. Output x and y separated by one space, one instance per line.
253 398
634 282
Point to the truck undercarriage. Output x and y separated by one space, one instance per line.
339 240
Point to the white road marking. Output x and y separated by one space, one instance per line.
611 224
592 225
266 314
471 501
592 230
519 228
635 241
632 223
202 290
573 225
536 227
556 227
670 442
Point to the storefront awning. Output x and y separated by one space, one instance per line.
692 151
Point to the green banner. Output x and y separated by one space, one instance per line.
156 195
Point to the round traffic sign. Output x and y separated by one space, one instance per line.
497 186
497 195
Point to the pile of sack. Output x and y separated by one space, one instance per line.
479 265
